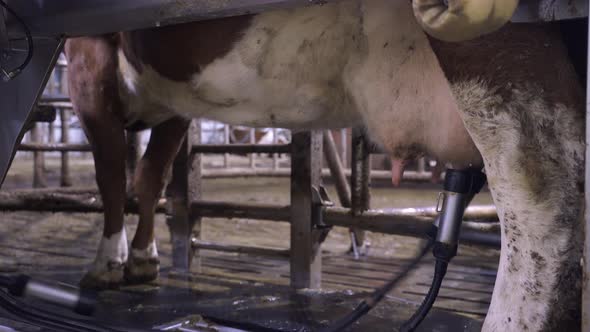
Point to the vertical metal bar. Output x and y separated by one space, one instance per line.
421 165
66 179
586 257
51 132
195 191
39 180
252 141
344 146
306 161
360 173
275 156
225 141
184 188
360 181
336 169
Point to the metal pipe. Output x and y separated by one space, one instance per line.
226 142
252 141
357 177
66 180
275 156
241 148
237 172
56 104
336 169
400 222
39 180
42 147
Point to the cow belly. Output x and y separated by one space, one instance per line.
285 71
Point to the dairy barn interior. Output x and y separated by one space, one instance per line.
257 228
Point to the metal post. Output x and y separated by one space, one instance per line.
344 146
252 141
185 188
66 179
275 156
226 140
64 117
336 169
39 180
360 181
306 162
421 165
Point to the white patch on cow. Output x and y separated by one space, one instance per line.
110 259
143 265
137 93
286 71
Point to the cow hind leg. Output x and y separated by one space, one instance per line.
165 140
93 89
534 157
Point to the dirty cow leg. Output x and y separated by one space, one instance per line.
533 153
93 91
165 140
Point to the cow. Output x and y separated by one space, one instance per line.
509 101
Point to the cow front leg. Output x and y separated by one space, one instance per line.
107 138
165 140
534 157
92 81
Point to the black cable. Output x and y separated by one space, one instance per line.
440 269
14 72
370 302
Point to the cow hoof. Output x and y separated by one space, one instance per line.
141 270
143 265
112 278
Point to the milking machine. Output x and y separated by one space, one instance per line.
460 187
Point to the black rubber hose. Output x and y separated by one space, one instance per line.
378 295
440 269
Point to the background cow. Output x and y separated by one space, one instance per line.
344 64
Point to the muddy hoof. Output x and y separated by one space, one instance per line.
140 270
102 280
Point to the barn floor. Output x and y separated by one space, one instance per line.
252 288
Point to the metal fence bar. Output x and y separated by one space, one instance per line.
241 148
44 147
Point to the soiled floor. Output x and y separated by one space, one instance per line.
61 246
